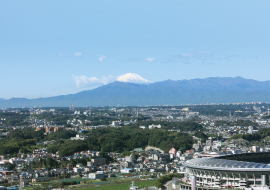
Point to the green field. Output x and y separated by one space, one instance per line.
122 186
85 184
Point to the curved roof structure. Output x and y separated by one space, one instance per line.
226 165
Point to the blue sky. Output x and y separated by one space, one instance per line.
49 48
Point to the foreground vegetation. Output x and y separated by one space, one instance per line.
105 139
260 135
126 139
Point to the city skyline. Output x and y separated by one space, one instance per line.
48 48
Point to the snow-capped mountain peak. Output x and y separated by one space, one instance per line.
132 78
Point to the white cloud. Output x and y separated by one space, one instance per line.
150 59
101 58
77 54
84 81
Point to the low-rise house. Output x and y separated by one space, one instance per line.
185 158
79 165
16 161
153 170
97 175
40 179
79 137
77 170
98 161
127 170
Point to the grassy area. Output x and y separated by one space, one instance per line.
122 186
112 183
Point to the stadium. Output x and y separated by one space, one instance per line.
249 170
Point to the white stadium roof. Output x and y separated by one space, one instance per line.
224 164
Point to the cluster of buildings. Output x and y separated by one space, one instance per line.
151 126
50 129
211 164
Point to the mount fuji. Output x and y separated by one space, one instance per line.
132 78
126 93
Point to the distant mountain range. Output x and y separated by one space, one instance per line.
195 91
